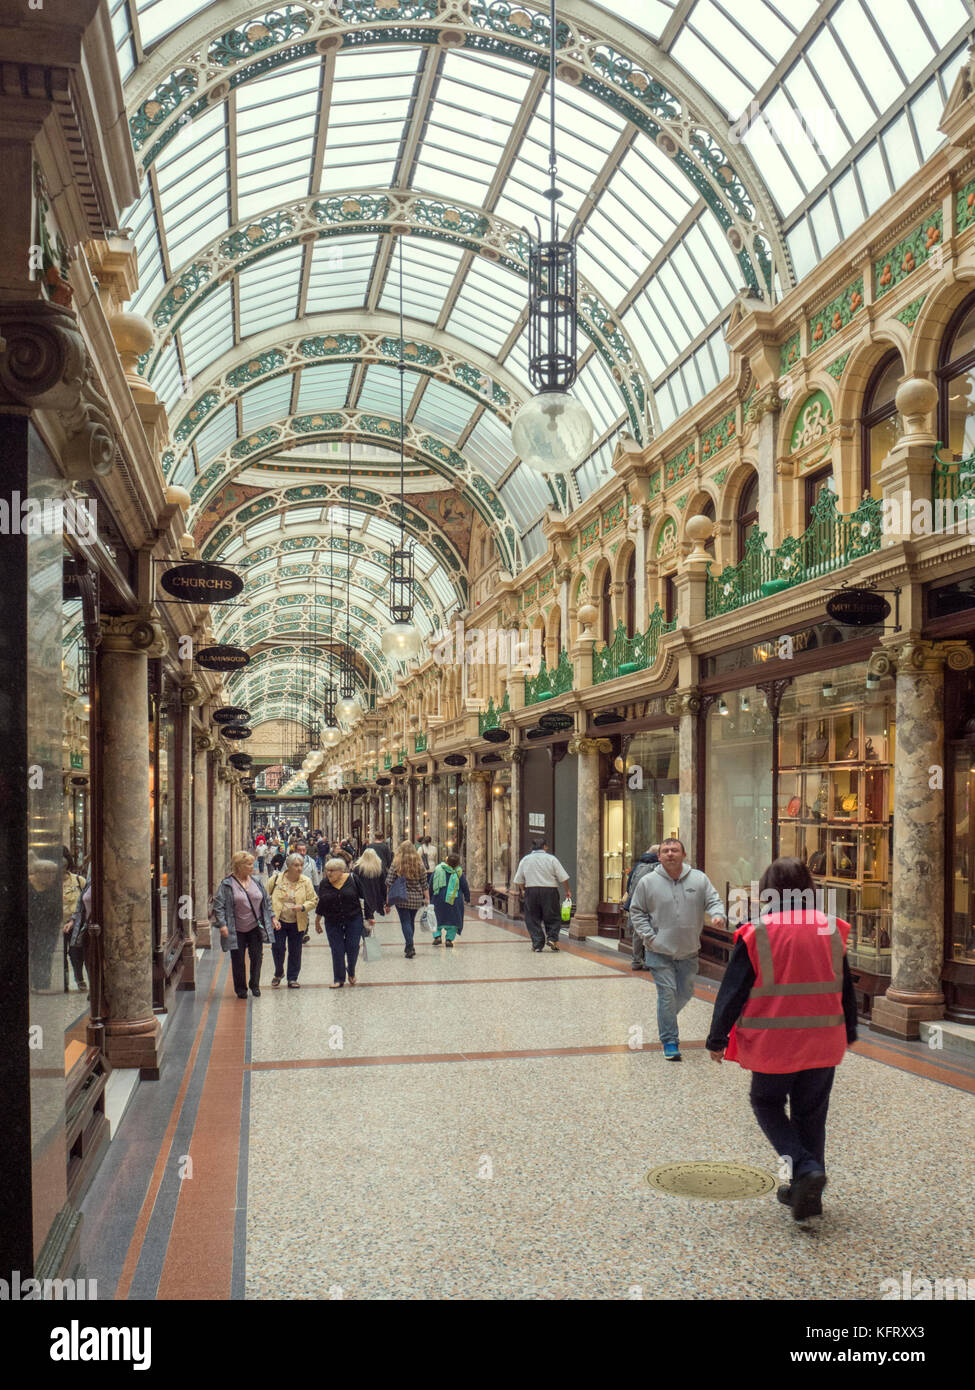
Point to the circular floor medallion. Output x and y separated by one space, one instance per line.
714 1182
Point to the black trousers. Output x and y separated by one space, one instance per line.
800 1135
289 939
543 914
251 943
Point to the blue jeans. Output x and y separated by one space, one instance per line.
407 916
289 940
675 986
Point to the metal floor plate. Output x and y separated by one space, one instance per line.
714 1182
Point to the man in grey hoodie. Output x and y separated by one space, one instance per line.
667 910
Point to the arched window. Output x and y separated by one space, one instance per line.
956 385
747 513
630 591
606 607
879 429
816 483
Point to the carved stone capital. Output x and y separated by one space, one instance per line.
916 655
204 741
683 702
563 573
587 747
192 693
767 402
476 775
44 365
133 633
515 756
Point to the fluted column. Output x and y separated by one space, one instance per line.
765 413
586 888
132 1031
433 808
396 809
917 878
515 758
477 797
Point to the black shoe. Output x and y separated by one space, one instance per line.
409 953
293 984
276 981
637 966
448 945
784 1195
256 991
807 1192
538 948
241 996
552 946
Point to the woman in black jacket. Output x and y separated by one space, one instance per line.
340 895
369 870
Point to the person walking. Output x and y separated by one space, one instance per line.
545 884
340 908
787 1011
369 868
322 848
73 888
242 910
450 893
309 866
262 861
292 895
382 848
407 890
429 856
643 865
667 909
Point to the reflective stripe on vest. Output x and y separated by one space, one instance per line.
824 1021
769 989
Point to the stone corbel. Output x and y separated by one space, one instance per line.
683 702
204 741
476 775
44 365
193 694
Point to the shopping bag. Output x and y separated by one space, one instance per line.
371 949
566 909
428 918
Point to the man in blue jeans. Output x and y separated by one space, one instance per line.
667 910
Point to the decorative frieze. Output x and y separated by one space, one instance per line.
836 315
904 258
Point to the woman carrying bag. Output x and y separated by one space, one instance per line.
369 868
450 893
407 890
242 910
292 896
340 907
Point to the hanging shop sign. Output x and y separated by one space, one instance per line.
222 658
496 735
608 716
201 582
231 714
399 767
455 760
555 723
241 760
858 607
383 781
236 731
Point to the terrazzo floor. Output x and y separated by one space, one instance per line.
479 1123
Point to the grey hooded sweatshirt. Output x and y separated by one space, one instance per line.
669 913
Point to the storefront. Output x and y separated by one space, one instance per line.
499 866
798 761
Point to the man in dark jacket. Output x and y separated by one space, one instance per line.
642 866
383 850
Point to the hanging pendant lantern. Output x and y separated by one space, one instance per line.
552 432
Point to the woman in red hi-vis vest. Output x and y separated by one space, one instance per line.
788 1006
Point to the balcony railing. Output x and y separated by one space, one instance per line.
624 655
953 491
419 743
388 761
832 539
491 718
547 684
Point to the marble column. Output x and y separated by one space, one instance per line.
586 888
765 413
686 706
433 807
201 847
396 810
917 878
515 758
478 782
132 1031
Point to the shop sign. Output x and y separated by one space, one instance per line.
236 731
202 582
222 658
496 735
241 760
556 723
536 822
455 760
231 714
858 607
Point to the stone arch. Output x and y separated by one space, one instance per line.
852 396
933 318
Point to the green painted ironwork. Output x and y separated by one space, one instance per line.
952 491
419 743
491 718
624 655
388 761
547 684
832 539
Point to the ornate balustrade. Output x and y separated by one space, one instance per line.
547 684
624 655
491 718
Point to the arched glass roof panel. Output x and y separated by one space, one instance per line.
216 435
341 271
325 387
488 446
262 404
429 268
276 119
488 306
269 291
445 410
380 390
209 333
370 102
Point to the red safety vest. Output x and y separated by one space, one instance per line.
793 1020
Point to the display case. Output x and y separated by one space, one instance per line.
612 839
834 810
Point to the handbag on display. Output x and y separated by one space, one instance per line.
817 747
794 807
816 863
870 753
850 752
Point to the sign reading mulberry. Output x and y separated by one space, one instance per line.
858 607
201 582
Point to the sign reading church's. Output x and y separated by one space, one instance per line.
201 582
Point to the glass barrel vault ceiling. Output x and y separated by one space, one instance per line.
836 104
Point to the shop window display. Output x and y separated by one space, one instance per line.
835 786
614 870
739 791
962 904
651 800
500 831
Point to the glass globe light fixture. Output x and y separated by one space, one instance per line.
401 641
552 432
331 735
348 710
